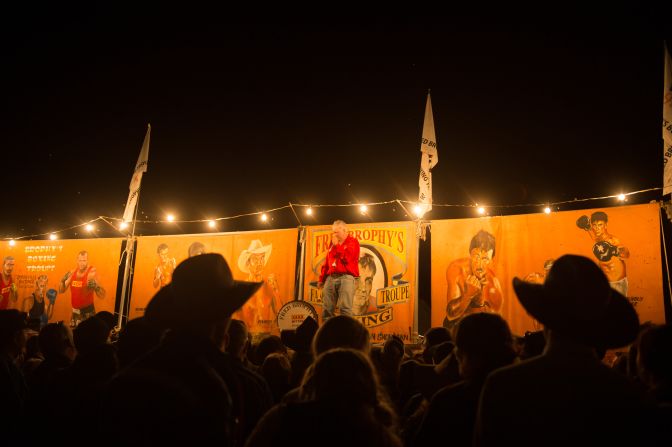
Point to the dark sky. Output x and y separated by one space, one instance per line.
248 115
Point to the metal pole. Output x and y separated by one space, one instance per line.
667 264
302 241
417 287
130 242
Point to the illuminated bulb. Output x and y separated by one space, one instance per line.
123 226
417 209
52 236
621 197
170 218
363 209
481 210
12 242
264 217
309 211
89 228
547 210
212 224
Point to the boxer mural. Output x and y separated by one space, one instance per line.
608 250
472 284
84 284
163 273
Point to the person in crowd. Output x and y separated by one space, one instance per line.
567 395
483 343
183 391
13 388
344 391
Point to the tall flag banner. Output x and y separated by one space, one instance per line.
430 158
667 125
134 188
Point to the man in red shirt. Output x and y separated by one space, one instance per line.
83 284
8 288
337 278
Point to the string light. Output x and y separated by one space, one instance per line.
417 209
547 210
89 228
212 224
117 223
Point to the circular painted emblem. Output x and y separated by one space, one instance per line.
292 314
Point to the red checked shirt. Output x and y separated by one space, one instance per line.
343 258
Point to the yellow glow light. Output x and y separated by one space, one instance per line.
309 211
53 236
212 224
170 218
264 217
481 210
621 197
89 228
123 226
547 210
417 209
363 209
12 242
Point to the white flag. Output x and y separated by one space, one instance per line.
134 188
667 125
430 158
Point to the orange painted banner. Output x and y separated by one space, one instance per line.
268 256
385 295
63 280
475 260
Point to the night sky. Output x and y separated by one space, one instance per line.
248 115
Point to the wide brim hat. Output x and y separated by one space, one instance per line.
256 247
202 291
577 301
300 339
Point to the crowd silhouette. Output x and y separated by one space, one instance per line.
188 373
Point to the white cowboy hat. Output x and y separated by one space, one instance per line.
255 248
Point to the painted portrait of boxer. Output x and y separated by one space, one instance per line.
608 249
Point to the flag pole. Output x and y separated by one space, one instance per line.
129 251
134 196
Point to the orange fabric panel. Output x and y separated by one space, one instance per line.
386 305
271 256
525 243
55 259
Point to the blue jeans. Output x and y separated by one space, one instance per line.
337 289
